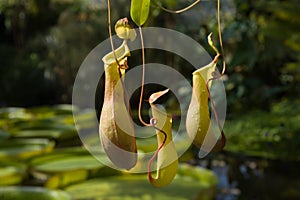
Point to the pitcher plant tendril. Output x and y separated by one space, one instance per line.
113 50
221 143
180 10
143 80
116 125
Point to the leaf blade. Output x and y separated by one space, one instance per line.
139 11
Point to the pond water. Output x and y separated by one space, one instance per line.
254 178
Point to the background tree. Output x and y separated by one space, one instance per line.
44 42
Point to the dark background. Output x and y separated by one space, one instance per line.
44 42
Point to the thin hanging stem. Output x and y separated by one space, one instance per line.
213 107
115 56
181 10
152 120
220 37
110 33
143 80
221 45
223 139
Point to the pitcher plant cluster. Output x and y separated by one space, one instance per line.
116 125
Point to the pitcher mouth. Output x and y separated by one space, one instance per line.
121 53
206 72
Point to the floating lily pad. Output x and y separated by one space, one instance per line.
62 109
60 162
14 113
84 119
197 184
32 193
62 133
24 148
11 173
54 122
66 166
50 123
46 133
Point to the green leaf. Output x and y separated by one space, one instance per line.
139 11
24 148
20 193
196 183
56 134
67 163
65 166
11 173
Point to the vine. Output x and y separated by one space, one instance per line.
180 10
139 12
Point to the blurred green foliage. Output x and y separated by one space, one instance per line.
42 46
273 135
44 42
264 58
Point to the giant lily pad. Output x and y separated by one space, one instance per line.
66 166
14 113
41 122
34 193
62 109
11 173
24 148
64 160
197 184
58 134
63 133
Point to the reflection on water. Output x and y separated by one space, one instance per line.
227 190
253 178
